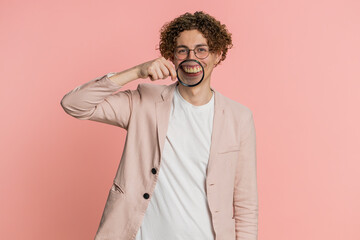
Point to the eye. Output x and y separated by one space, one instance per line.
201 49
181 51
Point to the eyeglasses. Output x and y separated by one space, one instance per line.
201 52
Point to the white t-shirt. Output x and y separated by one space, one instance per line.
178 208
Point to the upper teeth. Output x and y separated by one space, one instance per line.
192 69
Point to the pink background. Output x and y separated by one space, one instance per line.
296 64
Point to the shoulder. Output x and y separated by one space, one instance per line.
150 91
154 91
239 110
150 88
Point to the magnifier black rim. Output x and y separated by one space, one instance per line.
188 85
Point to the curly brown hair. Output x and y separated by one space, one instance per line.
217 35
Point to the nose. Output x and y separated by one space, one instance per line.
191 54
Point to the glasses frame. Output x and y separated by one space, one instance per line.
188 52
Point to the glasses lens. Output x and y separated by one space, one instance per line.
181 52
202 51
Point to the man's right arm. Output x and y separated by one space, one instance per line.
95 100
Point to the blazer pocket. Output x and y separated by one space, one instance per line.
116 188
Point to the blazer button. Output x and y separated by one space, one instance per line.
146 195
153 171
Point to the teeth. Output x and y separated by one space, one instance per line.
192 69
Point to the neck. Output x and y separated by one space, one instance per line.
198 95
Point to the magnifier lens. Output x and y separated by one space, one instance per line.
190 72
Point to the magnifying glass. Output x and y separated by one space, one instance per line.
190 72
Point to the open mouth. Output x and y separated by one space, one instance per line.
192 70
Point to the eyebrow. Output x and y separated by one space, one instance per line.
198 45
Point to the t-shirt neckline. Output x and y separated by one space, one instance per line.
204 106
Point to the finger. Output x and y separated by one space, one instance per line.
164 70
152 74
171 69
159 73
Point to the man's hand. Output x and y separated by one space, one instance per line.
157 69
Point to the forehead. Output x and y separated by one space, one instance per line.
191 38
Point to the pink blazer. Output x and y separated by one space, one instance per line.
231 183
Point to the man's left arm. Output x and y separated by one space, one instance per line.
245 190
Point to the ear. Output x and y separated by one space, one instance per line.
218 57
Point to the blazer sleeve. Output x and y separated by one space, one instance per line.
96 101
245 190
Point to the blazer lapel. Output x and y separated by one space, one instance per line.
163 108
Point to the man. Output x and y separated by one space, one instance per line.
188 169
